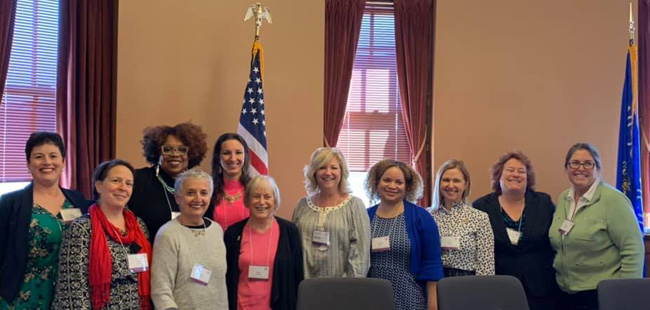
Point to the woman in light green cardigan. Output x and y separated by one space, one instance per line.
594 231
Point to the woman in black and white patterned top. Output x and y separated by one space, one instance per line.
465 233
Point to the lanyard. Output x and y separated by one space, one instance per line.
250 243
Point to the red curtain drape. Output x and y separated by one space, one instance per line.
7 18
85 87
414 20
342 26
644 97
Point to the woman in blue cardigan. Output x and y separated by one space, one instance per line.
405 240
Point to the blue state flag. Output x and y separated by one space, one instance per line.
628 175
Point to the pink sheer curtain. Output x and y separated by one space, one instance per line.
342 26
85 87
414 20
644 97
7 18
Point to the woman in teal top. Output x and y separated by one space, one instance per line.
594 232
31 225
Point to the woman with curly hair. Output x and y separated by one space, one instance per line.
170 151
520 218
405 240
230 173
334 224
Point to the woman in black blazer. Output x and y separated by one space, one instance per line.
32 221
263 198
520 219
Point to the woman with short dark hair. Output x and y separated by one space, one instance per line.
32 221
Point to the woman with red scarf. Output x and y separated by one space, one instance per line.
105 254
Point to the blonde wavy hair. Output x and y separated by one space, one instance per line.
319 159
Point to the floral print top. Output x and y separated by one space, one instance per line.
45 234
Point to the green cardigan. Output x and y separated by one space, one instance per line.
604 243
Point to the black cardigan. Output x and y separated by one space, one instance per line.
15 217
148 200
532 260
287 269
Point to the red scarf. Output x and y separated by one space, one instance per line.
100 266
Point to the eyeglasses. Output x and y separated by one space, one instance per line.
169 150
574 164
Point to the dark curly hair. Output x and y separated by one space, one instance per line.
414 185
217 171
39 138
191 135
497 170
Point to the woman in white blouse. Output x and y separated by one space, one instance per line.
333 224
465 233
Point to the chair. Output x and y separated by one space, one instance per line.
345 294
624 294
481 293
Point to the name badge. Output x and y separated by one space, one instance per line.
380 244
566 227
175 214
321 237
450 242
513 235
138 262
258 272
201 274
71 214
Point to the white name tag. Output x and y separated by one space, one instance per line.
201 274
450 242
566 227
71 214
175 214
321 237
138 262
258 272
513 235
380 244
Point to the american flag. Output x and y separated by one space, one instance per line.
252 122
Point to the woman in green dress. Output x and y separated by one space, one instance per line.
31 224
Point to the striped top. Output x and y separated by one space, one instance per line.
348 225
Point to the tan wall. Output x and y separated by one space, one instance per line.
189 60
533 75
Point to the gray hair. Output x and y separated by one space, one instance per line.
254 184
195 173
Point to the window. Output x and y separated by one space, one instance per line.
28 100
373 128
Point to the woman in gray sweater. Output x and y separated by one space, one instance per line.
189 257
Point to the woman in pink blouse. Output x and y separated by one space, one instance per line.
230 166
264 253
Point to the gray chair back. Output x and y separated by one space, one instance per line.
481 293
345 294
624 294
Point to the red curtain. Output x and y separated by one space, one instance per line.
414 20
85 87
644 97
342 26
7 18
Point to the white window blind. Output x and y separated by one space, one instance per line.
28 100
373 128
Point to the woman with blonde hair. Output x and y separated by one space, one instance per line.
465 233
334 224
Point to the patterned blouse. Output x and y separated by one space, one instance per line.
476 252
73 288
45 233
348 225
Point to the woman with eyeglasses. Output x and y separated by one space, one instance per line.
594 231
170 151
